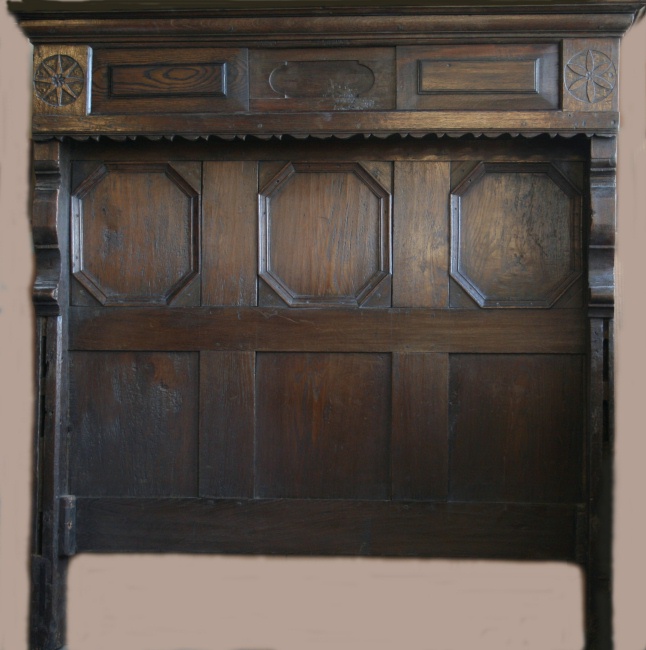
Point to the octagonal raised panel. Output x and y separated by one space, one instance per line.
515 235
324 234
135 235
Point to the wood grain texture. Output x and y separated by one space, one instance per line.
421 235
328 124
134 424
61 80
339 79
590 74
420 427
158 80
227 414
230 233
209 80
515 235
325 234
328 527
136 233
334 330
516 428
322 426
478 77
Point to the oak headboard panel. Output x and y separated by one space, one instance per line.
324 281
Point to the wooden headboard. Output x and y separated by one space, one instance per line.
324 281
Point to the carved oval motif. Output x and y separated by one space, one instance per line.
590 76
59 80
310 79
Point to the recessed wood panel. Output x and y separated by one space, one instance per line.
324 234
198 80
168 80
323 425
335 79
227 387
135 236
230 233
478 77
517 427
515 235
420 435
133 424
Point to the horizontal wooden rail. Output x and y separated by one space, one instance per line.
327 527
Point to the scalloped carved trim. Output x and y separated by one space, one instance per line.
316 136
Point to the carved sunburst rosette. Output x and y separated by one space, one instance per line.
59 80
590 76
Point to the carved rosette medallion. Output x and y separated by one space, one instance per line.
590 76
59 80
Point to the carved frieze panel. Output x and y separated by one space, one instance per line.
482 77
61 79
590 74
174 80
334 80
515 234
324 234
135 233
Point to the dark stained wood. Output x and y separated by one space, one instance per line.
515 235
338 79
421 235
325 234
603 208
302 330
516 428
478 77
227 413
590 74
395 148
136 235
332 123
230 239
50 294
134 424
328 527
141 81
322 426
420 427
296 293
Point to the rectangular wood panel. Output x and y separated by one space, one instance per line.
328 527
134 424
169 80
230 233
323 425
335 79
420 434
517 427
227 424
478 77
421 234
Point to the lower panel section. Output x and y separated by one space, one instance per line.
327 527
